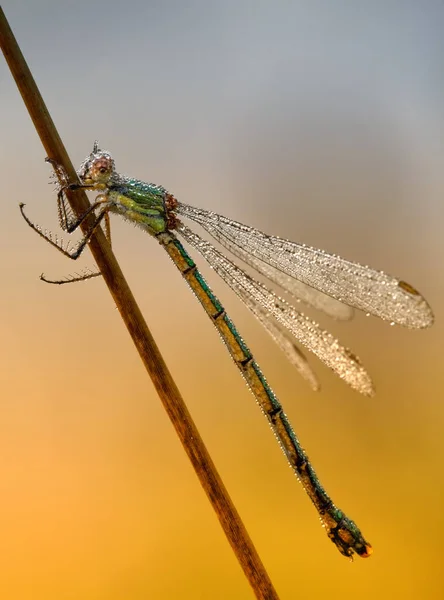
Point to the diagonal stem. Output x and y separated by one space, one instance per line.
155 365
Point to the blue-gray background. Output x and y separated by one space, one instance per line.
318 121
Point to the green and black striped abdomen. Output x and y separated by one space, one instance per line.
341 530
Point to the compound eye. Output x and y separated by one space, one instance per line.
101 168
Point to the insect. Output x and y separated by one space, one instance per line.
312 276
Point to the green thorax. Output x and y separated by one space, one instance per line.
140 202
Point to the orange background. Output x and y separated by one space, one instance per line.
320 122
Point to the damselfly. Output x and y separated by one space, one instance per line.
312 276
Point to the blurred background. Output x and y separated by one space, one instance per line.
317 121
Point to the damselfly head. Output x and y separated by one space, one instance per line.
98 167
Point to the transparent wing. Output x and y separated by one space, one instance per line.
359 286
282 339
306 331
300 291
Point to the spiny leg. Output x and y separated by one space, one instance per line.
86 274
80 246
82 276
67 219
60 172
68 222
64 210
